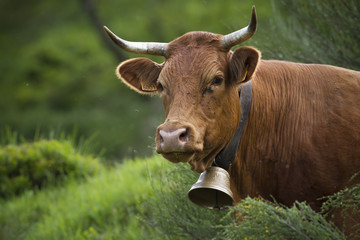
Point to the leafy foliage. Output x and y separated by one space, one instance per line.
106 206
347 202
172 213
34 165
175 217
147 199
314 32
265 220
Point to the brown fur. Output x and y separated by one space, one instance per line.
303 122
139 74
302 138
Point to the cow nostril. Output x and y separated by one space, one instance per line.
183 136
173 140
161 138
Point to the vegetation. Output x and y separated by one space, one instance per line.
315 32
265 220
173 215
106 206
146 199
42 163
348 202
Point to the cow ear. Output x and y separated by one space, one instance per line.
140 74
243 64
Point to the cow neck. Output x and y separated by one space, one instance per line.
227 154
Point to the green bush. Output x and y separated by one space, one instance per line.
172 214
108 205
175 217
266 220
313 32
147 199
348 202
34 165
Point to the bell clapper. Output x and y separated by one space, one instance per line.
216 201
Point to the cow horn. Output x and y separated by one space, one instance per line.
234 38
152 48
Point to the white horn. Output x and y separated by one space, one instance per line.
232 39
151 48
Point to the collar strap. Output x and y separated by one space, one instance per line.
227 154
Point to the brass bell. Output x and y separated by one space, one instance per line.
212 190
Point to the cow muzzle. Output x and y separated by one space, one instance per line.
177 141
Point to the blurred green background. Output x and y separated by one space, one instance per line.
57 66
58 70
59 91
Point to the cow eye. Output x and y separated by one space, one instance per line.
159 86
217 81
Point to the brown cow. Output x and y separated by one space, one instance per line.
302 137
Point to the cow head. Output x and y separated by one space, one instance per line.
199 83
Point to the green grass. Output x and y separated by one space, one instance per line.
106 206
147 199
266 220
42 163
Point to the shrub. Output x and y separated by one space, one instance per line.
34 165
106 206
266 220
175 217
314 32
172 214
147 199
347 202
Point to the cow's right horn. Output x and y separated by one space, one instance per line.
234 38
152 48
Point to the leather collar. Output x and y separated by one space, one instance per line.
227 154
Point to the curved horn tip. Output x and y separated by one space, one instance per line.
253 21
118 41
110 33
237 37
106 29
152 48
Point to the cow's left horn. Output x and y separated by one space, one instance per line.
152 48
234 38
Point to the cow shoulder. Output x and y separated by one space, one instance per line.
140 74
